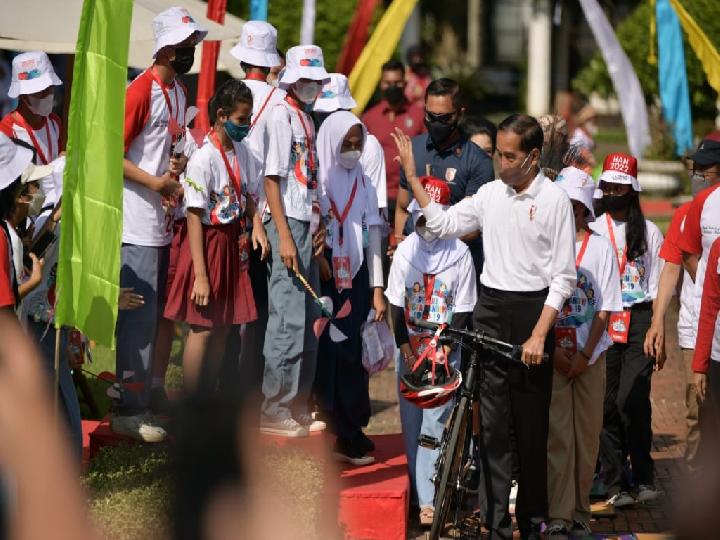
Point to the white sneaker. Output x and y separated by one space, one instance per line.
557 531
311 423
139 427
283 428
620 500
647 493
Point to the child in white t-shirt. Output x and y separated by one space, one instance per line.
211 289
434 280
581 339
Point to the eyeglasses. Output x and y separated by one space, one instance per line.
446 118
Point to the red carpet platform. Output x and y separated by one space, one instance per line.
374 500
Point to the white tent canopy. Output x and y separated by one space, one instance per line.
55 26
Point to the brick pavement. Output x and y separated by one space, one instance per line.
668 390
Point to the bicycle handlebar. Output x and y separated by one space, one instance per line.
513 352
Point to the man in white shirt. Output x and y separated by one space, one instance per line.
529 243
155 126
257 53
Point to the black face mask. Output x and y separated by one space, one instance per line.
394 95
419 68
440 132
616 202
184 59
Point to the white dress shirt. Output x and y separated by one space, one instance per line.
528 238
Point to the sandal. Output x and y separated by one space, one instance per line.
427 513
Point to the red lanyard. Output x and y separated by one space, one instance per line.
621 263
31 133
256 77
583 248
308 139
267 100
166 95
234 175
429 284
342 217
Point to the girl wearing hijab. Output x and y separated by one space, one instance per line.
433 280
627 413
351 270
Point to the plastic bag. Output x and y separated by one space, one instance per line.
378 345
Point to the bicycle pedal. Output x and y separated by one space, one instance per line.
431 443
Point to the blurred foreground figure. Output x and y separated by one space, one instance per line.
44 499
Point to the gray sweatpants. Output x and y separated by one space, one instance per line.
290 345
145 270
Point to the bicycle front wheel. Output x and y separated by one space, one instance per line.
450 463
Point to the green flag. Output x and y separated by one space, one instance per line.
88 279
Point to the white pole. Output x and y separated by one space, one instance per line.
539 48
474 34
307 30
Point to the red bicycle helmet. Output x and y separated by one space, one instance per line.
432 381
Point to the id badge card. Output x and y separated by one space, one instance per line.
315 218
619 326
341 271
244 251
566 338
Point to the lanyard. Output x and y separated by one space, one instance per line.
342 217
429 284
234 175
31 133
583 248
259 113
308 139
163 87
621 263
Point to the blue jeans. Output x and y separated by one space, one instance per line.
430 422
290 347
67 395
144 269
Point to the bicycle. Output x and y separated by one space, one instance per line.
456 462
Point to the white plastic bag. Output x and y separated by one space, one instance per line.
378 345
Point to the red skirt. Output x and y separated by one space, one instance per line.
179 234
231 299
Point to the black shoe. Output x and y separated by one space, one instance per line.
365 442
345 451
159 402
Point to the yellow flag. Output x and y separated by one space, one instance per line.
379 49
704 50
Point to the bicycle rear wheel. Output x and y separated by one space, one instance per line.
450 463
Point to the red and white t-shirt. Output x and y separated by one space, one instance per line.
152 111
702 227
7 272
45 140
708 337
671 252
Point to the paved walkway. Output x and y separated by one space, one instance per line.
668 390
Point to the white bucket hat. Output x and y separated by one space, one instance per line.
303 62
335 95
32 72
257 45
173 26
14 159
579 186
34 173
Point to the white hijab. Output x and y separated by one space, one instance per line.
430 257
336 182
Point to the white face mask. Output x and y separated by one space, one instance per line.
425 234
592 128
41 106
308 91
35 204
349 159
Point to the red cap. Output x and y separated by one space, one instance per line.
438 190
713 136
622 163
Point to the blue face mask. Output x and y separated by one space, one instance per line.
235 132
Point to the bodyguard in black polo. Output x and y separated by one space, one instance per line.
446 154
